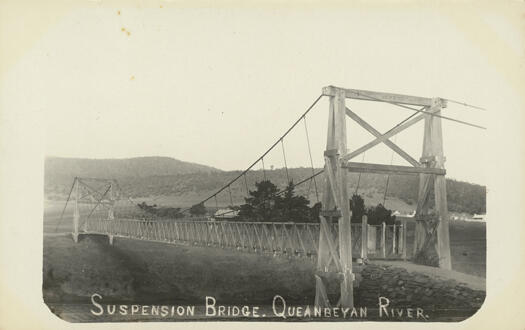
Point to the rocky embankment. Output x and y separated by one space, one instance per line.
403 288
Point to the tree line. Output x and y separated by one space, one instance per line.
462 196
267 204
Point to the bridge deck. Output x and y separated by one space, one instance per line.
298 240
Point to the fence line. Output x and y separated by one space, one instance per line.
277 238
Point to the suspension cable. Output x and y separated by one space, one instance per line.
281 191
268 150
264 170
285 164
359 178
246 184
311 159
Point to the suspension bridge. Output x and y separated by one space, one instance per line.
334 243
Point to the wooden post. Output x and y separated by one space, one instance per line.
111 212
76 213
394 239
345 230
383 236
433 157
440 191
424 188
335 205
368 237
364 237
324 253
403 238
111 193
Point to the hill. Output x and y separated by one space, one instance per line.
168 181
58 169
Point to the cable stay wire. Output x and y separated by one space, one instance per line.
421 111
359 178
65 205
311 161
467 105
246 184
309 188
264 170
404 121
285 164
128 198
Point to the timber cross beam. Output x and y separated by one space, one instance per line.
365 95
390 169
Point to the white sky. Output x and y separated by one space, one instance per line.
219 86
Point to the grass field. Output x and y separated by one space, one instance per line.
468 246
146 272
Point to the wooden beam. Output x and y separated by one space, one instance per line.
404 238
330 174
330 213
383 240
96 179
364 237
321 298
392 169
76 212
377 134
379 96
383 137
440 192
325 231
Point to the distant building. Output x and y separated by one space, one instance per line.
404 215
479 217
225 214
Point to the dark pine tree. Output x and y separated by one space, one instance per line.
293 208
261 205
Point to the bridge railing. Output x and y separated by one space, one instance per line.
277 238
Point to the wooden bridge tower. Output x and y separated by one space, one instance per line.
103 195
335 264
